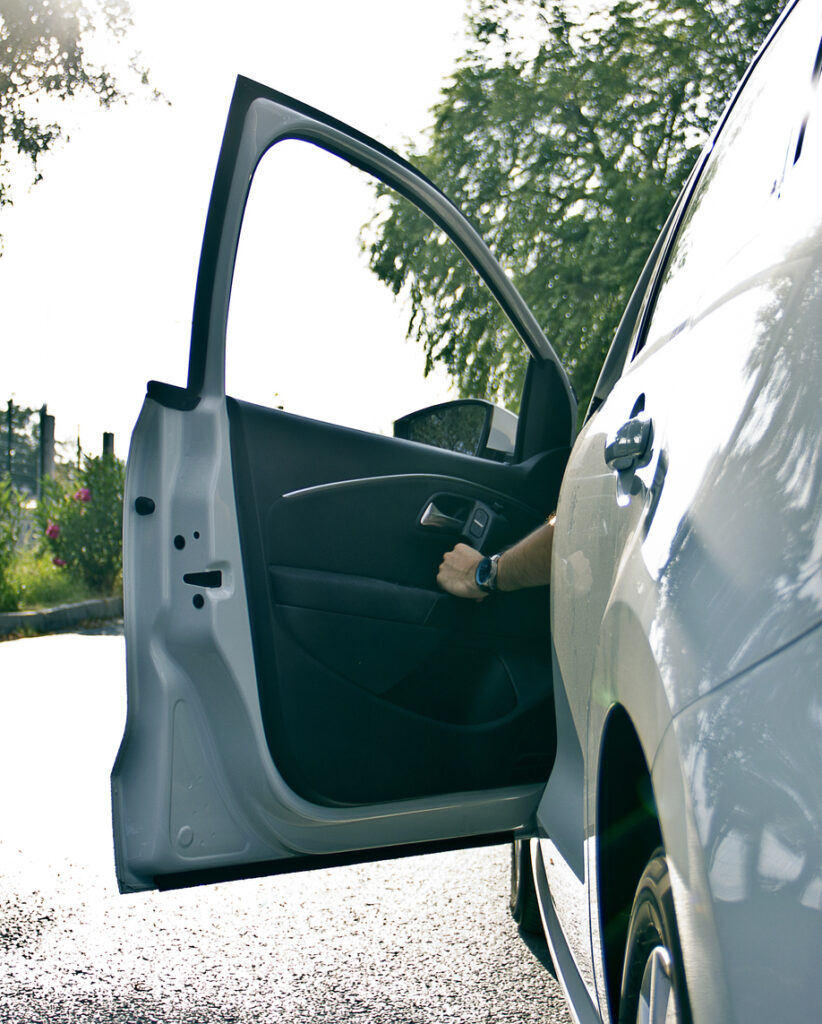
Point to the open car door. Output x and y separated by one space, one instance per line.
300 693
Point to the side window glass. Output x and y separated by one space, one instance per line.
743 174
311 329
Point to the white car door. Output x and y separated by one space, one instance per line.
299 691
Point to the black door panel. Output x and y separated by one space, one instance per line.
371 491
374 684
452 720
380 518
519 614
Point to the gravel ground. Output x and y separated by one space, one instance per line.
416 941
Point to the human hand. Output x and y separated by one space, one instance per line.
457 572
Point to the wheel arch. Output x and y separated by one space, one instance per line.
627 832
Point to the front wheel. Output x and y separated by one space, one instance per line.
653 980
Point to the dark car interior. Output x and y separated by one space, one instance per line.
375 685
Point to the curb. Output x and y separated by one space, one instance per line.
64 616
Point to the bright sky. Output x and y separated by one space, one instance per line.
100 259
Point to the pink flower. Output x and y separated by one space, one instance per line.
52 530
59 562
84 494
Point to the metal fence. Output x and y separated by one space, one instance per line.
27 446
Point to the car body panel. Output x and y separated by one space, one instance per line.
751 756
578 990
676 577
708 988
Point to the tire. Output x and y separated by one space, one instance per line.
523 899
653 980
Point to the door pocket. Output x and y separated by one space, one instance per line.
463 687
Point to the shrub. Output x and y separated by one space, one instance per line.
82 523
10 519
40 584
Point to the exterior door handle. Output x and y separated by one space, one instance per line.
630 446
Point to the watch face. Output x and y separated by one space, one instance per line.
483 574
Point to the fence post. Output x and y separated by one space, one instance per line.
46 448
9 435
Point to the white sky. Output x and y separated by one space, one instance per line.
100 259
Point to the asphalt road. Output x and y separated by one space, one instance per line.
416 941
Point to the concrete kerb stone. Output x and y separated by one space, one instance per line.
64 616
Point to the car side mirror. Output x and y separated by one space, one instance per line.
471 426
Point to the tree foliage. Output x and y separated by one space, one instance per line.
44 53
565 140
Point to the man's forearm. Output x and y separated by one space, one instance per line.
526 564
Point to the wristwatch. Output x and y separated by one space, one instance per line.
486 574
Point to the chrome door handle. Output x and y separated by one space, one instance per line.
630 446
433 518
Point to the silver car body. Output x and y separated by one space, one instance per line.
692 606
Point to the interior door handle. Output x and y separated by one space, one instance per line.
630 446
436 519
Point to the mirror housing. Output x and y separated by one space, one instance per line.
471 426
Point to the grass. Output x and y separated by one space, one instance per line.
40 584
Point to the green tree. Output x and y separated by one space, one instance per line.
43 53
565 140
